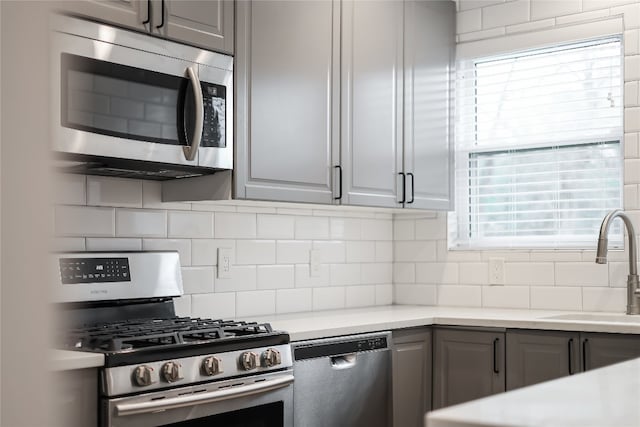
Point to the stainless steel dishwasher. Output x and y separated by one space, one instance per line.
343 381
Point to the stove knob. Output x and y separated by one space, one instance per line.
142 376
171 372
249 360
212 365
271 357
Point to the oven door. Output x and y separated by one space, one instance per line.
115 101
261 401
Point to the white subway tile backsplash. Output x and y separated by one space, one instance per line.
404 272
141 223
255 252
555 255
468 21
618 273
276 276
182 306
190 224
532 273
603 4
631 197
113 244
541 9
152 197
328 298
218 206
556 298
377 229
68 244
505 296
183 246
437 273
361 251
474 273
84 221
632 42
582 17
345 228
243 278
312 228
256 209
294 300
378 273
445 255
275 227
293 252
198 280
404 230
255 303
304 280
459 296
631 94
508 256
415 251
360 296
215 306
115 192
70 189
581 274
384 294
331 251
431 229
345 274
509 13
384 251
631 69
630 145
474 4
205 251
631 14
530 26
480 35
604 299
415 294
235 225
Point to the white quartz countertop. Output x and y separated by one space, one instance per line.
605 397
319 324
62 360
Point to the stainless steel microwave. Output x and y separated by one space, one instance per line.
131 105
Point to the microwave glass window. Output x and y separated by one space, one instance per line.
132 103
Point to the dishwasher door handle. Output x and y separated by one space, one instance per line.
344 361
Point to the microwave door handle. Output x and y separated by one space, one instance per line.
191 151
125 409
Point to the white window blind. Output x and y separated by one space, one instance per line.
538 147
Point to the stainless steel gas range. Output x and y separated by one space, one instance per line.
164 370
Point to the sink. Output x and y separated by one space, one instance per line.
588 317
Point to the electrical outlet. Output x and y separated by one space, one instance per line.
496 271
314 263
224 263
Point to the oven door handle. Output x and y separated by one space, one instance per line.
124 409
191 151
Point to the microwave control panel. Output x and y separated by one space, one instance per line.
214 98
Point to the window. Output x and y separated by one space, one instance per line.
538 147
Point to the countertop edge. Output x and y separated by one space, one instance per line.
65 360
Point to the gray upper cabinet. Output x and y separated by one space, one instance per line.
467 365
537 356
287 86
206 24
600 350
371 139
429 62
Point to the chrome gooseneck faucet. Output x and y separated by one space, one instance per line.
633 290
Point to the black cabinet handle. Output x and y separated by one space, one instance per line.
404 187
148 13
339 182
412 191
161 16
570 356
496 368
585 347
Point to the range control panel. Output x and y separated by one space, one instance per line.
94 270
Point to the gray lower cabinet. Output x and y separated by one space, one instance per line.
600 350
537 356
411 370
467 364
75 398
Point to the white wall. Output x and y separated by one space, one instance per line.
426 272
271 244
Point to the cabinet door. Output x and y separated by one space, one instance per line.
287 95
467 365
208 24
606 349
75 399
537 356
126 13
411 367
371 101
428 103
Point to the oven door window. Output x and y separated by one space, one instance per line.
270 415
132 103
